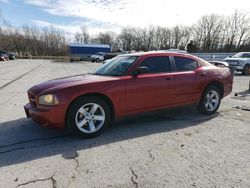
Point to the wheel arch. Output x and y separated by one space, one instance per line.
99 95
217 84
246 64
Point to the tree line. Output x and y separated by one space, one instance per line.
211 33
32 41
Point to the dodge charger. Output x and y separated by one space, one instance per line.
127 85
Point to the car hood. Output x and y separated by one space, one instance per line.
68 82
234 59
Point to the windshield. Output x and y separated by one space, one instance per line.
117 66
242 55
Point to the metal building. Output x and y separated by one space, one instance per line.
84 51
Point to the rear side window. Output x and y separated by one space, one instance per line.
157 64
185 64
246 55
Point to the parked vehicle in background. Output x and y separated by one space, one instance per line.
223 64
99 56
219 63
4 56
128 85
12 56
241 62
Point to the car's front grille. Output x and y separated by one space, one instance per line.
32 99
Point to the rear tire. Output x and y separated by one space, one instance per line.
246 70
210 100
88 116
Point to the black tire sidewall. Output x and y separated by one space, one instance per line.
70 120
202 108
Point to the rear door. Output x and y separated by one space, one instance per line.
151 90
188 80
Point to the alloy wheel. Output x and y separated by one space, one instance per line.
90 118
212 100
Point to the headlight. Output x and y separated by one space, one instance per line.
48 100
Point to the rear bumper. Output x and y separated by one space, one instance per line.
47 117
227 90
228 85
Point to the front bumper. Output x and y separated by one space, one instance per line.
47 117
94 59
238 68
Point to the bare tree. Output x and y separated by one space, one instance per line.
233 23
105 38
83 36
127 38
207 32
244 29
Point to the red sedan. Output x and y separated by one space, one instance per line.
127 85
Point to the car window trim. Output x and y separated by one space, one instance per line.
174 65
170 64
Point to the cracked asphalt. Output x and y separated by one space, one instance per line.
174 148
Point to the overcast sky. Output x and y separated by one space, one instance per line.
103 15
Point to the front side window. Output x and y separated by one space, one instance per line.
116 66
156 64
246 55
242 55
185 64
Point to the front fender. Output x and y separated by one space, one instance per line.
115 92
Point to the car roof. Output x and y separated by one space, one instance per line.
242 53
165 52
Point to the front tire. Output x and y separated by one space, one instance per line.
210 100
88 116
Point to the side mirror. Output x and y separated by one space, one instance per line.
140 70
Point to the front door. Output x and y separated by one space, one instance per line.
151 90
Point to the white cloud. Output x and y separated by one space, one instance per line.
5 1
112 14
66 28
72 28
